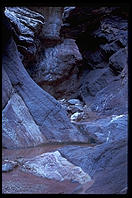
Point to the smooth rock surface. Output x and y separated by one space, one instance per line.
7 88
93 82
19 128
107 156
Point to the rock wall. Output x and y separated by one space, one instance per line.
79 55
101 34
51 60
30 115
49 37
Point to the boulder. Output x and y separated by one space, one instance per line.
106 163
18 126
57 62
56 71
8 166
77 116
107 129
53 166
74 102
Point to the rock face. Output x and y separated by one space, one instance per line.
27 26
58 64
79 55
53 22
101 35
107 161
45 114
50 60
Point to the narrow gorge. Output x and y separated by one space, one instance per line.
65 100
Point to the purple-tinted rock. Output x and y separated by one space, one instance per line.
119 60
106 163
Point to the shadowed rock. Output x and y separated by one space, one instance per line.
38 106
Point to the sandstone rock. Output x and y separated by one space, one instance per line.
104 29
113 98
57 62
56 72
53 166
71 108
110 48
7 167
76 108
67 11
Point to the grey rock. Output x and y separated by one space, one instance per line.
108 155
74 102
46 112
7 88
27 27
18 126
7 167
52 165
76 116
93 82
118 60
56 71
107 129
67 11
113 98
53 22
57 62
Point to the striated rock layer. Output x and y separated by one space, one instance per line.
51 60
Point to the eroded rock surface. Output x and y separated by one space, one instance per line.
56 72
27 26
53 166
